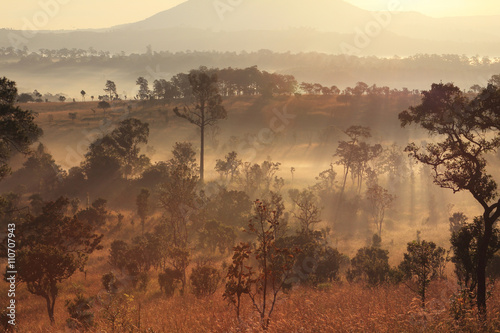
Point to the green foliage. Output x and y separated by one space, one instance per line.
421 264
371 264
80 312
204 280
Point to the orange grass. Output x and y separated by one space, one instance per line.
343 307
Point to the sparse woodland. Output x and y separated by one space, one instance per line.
381 216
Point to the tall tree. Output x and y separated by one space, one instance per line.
83 93
110 88
467 131
380 199
144 92
355 154
17 126
50 248
207 107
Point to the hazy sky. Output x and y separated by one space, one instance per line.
80 14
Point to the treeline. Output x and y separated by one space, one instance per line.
231 82
276 57
340 70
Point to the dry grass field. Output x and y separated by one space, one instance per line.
339 307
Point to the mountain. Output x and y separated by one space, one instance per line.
330 26
321 15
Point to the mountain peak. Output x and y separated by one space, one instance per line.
223 15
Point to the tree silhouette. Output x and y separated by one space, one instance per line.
468 130
104 106
422 263
110 88
380 199
144 91
178 194
120 146
83 93
207 107
355 154
17 126
228 168
50 248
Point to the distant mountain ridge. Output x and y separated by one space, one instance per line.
330 26
322 15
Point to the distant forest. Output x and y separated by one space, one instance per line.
413 72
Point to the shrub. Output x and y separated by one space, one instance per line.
118 254
109 282
204 280
371 264
81 316
168 280
328 266
421 264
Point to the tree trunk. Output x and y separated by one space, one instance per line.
50 308
482 251
202 151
